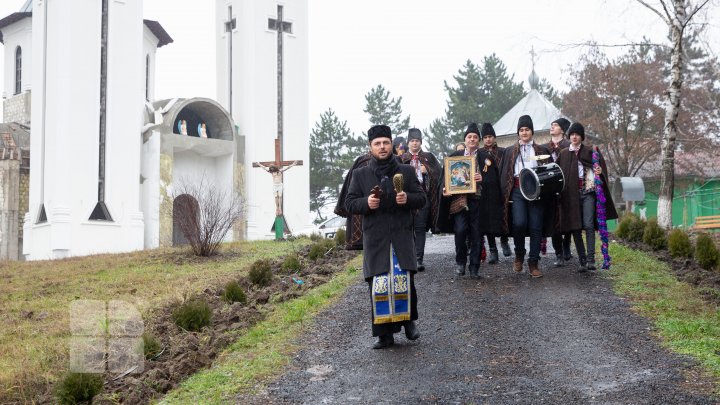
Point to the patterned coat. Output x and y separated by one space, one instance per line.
431 181
353 226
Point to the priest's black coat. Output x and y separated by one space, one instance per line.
388 224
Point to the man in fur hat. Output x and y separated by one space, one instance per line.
461 214
492 193
427 169
578 198
558 142
525 218
389 262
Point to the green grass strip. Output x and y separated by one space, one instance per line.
264 350
687 324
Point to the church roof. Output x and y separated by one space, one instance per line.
540 109
154 26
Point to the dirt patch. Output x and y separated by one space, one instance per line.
686 270
184 353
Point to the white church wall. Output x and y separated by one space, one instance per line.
150 43
64 170
14 35
254 106
150 189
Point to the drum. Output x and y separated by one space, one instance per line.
541 182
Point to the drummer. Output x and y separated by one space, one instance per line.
522 217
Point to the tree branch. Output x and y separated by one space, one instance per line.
651 8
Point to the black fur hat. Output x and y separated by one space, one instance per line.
564 124
577 128
525 121
379 131
487 129
414 133
472 129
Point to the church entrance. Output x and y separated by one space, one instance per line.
186 219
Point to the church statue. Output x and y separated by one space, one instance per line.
182 127
276 173
202 130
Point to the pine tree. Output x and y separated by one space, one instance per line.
498 91
464 100
437 139
384 110
329 151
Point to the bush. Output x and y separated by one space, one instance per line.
315 236
706 252
654 235
78 387
291 263
631 228
679 244
234 293
340 237
151 346
319 249
261 273
192 315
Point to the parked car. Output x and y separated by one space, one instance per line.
328 228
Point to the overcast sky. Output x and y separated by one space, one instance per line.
408 46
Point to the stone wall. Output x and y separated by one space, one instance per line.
9 209
17 108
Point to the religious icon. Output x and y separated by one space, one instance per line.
276 173
459 174
202 130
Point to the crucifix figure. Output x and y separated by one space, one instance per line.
276 168
281 27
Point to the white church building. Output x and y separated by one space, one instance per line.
106 157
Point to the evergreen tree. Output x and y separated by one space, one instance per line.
329 141
437 139
464 100
384 110
549 92
498 91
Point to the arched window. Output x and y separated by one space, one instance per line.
18 70
147 77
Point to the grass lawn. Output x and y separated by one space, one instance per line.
687 324
264 351
35 298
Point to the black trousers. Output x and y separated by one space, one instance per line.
394 327
468 223
561 244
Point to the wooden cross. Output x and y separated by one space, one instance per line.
276 169
280 27
230 25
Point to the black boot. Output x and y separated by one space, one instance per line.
420 266
460 269
474 272
384 342
506 248
559 261
493 256
411 331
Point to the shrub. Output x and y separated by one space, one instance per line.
151 346
706 252
261 273
654 235
234 293
315 236
319 249
291 263
631 228
340 237
679 244
78 387
192 315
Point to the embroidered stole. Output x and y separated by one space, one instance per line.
391 294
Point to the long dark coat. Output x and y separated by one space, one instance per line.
507 175
353 225
431 181
555 150
491 196
390 223
570 198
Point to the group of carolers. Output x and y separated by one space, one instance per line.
391 225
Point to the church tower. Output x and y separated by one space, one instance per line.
262 79
88 95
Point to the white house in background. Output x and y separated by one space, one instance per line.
247 86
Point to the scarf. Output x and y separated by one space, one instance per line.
600 202
383 170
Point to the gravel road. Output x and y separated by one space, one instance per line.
503 338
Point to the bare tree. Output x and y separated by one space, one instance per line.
205 213
677 15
